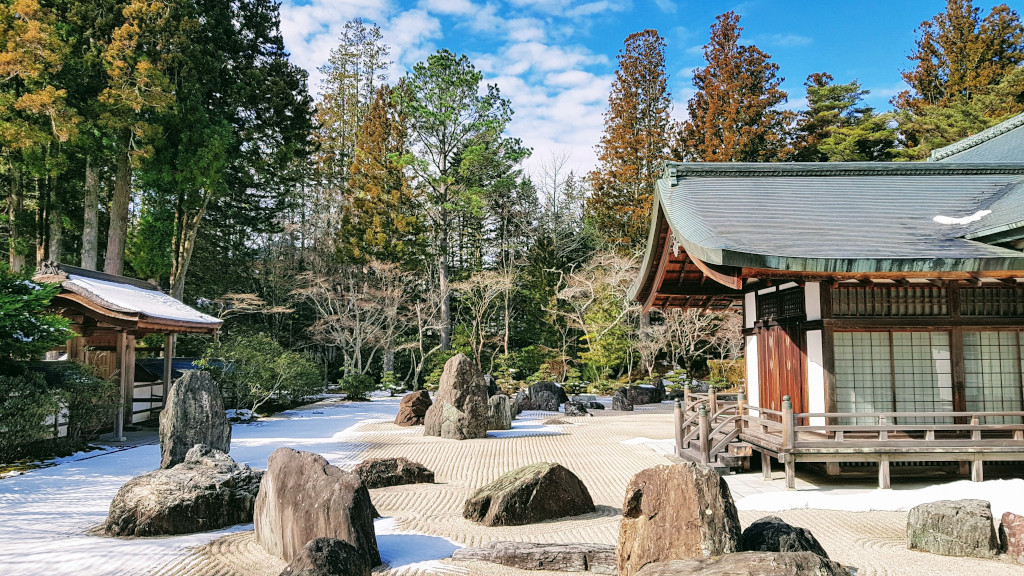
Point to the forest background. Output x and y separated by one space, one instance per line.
378 229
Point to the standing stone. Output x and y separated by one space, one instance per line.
193 414
327 557
205 492
492 385
545 402
413 408
1011 532
303 498
676 512
533 493
521 402
772 534
459 411
621 401
540 387
576 409
953 528
499 412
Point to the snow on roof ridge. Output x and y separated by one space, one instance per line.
123 297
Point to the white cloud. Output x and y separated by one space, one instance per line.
666 6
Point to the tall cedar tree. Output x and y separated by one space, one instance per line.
966 76
634 142
837 127
733 115
380 220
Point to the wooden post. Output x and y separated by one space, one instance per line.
788 439
169 341
703 435
122 340
678 411
977 470
766 465
741 403
713 402
883 473
882 434
833 469
128 383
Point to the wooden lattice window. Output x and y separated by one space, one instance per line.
992 367
785 304
889 301
992 301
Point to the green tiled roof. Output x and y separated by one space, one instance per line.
844 217
1003 142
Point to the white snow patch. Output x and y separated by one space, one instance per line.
523 428
964 220
667 446
1004 495
128 298
413 550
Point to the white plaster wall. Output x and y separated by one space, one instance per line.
812 300
815 376
749 309
753 385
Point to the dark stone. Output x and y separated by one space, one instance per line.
303 498
749 564
521 402
460 406
384 472
675 394
533 493
499 412
492 385
674 513
551 387
1011 535
953 528
327 557
772 534
588 402
205 492
413 408
646 394
194 414
576 409
545 402
595 558
621 401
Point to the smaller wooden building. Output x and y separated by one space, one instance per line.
110 313
883 303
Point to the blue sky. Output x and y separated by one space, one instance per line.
555 59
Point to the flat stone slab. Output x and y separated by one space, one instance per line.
594 558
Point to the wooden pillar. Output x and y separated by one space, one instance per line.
741 409
713 402
678 413
766 465
788 440
122 340
703 435
977 471
883 473
169 341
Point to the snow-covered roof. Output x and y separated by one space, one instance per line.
133 299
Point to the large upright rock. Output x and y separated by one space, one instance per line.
749 564
413 408
676 512
205 492
1011 535
499 412
327 557
621 401
533 493
772 534
459 411
953 528
193 414
302 498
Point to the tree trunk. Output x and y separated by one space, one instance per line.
56 227
181 253
389 357
117 234
15 204
91 218
42 206
446 297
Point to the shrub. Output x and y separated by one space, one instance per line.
91 402
256 369
26 403
357 386
732 372
390 383
433 380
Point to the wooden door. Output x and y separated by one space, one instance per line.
782 366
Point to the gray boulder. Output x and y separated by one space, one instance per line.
545 402
595 558
533 493
327 557
621 401
749 564
384 472
459 411
675 513
576 409
772 534
492 385
499 412
193 414
303 498
205 492
559 392
953 528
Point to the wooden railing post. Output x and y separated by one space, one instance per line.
977 471
712 401
788 439
679 427
704 435
741 402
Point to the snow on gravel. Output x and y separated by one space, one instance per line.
45 514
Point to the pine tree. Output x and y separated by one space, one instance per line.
837 127
634 143
734 115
